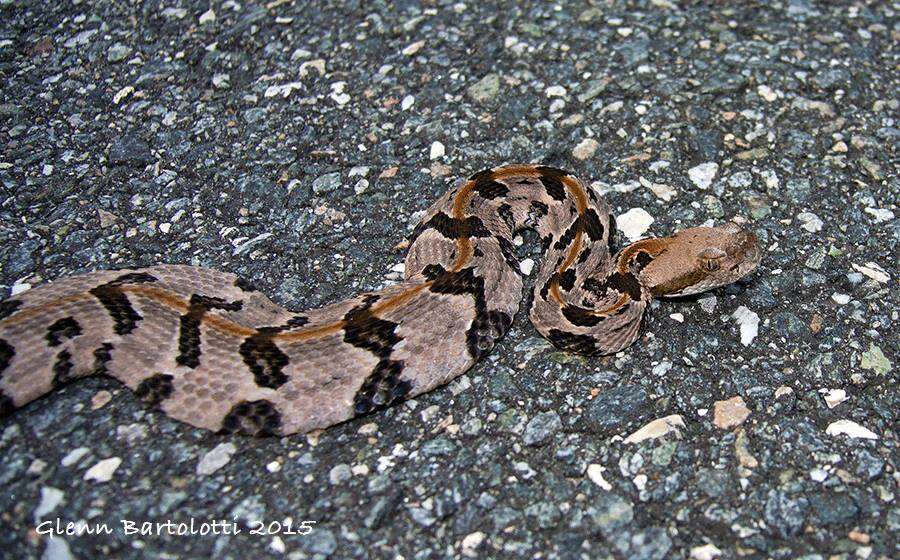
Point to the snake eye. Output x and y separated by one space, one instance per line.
709 258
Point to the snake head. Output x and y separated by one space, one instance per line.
698 259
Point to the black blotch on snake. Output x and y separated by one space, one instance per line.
7 352
125 317
265 359
382 388
252 418
9 307
155 389
551 178
581 343
67 327
364 330
62 368
189 350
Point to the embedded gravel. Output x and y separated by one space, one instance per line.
296 143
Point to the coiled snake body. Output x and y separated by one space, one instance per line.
209 350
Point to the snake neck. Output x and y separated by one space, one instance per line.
634 258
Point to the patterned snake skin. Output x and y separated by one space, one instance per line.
209 350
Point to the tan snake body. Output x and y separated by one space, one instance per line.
209 350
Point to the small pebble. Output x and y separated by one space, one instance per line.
595 474
556 91
634 223
437 150
810 222
730 413
74 456
208 16
748 321
215 459
702 175
104 470
849 428
840 299
657 428
526 266
585 149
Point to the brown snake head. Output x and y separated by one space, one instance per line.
693 260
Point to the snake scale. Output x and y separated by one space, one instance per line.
208 349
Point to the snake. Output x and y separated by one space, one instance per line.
207 348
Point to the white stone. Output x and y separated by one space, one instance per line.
57 549
771 179
368 429
818 474
880 214
705 552
273 467
766 93
657 428
661 191
215 459
708 303
658 166
337 93
103 471
613 107
526 266
702 175
849 428
604 188
74 456
18 287
437 150
595 474
471 542
318 65
399 268
82 38
810 222
748 321
640 482
277 544
122 94
414 48
782 391
556 91
50 498
677 317
585 149
840 299
284 90
407 102
634 223
339 473
208 16
873 271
